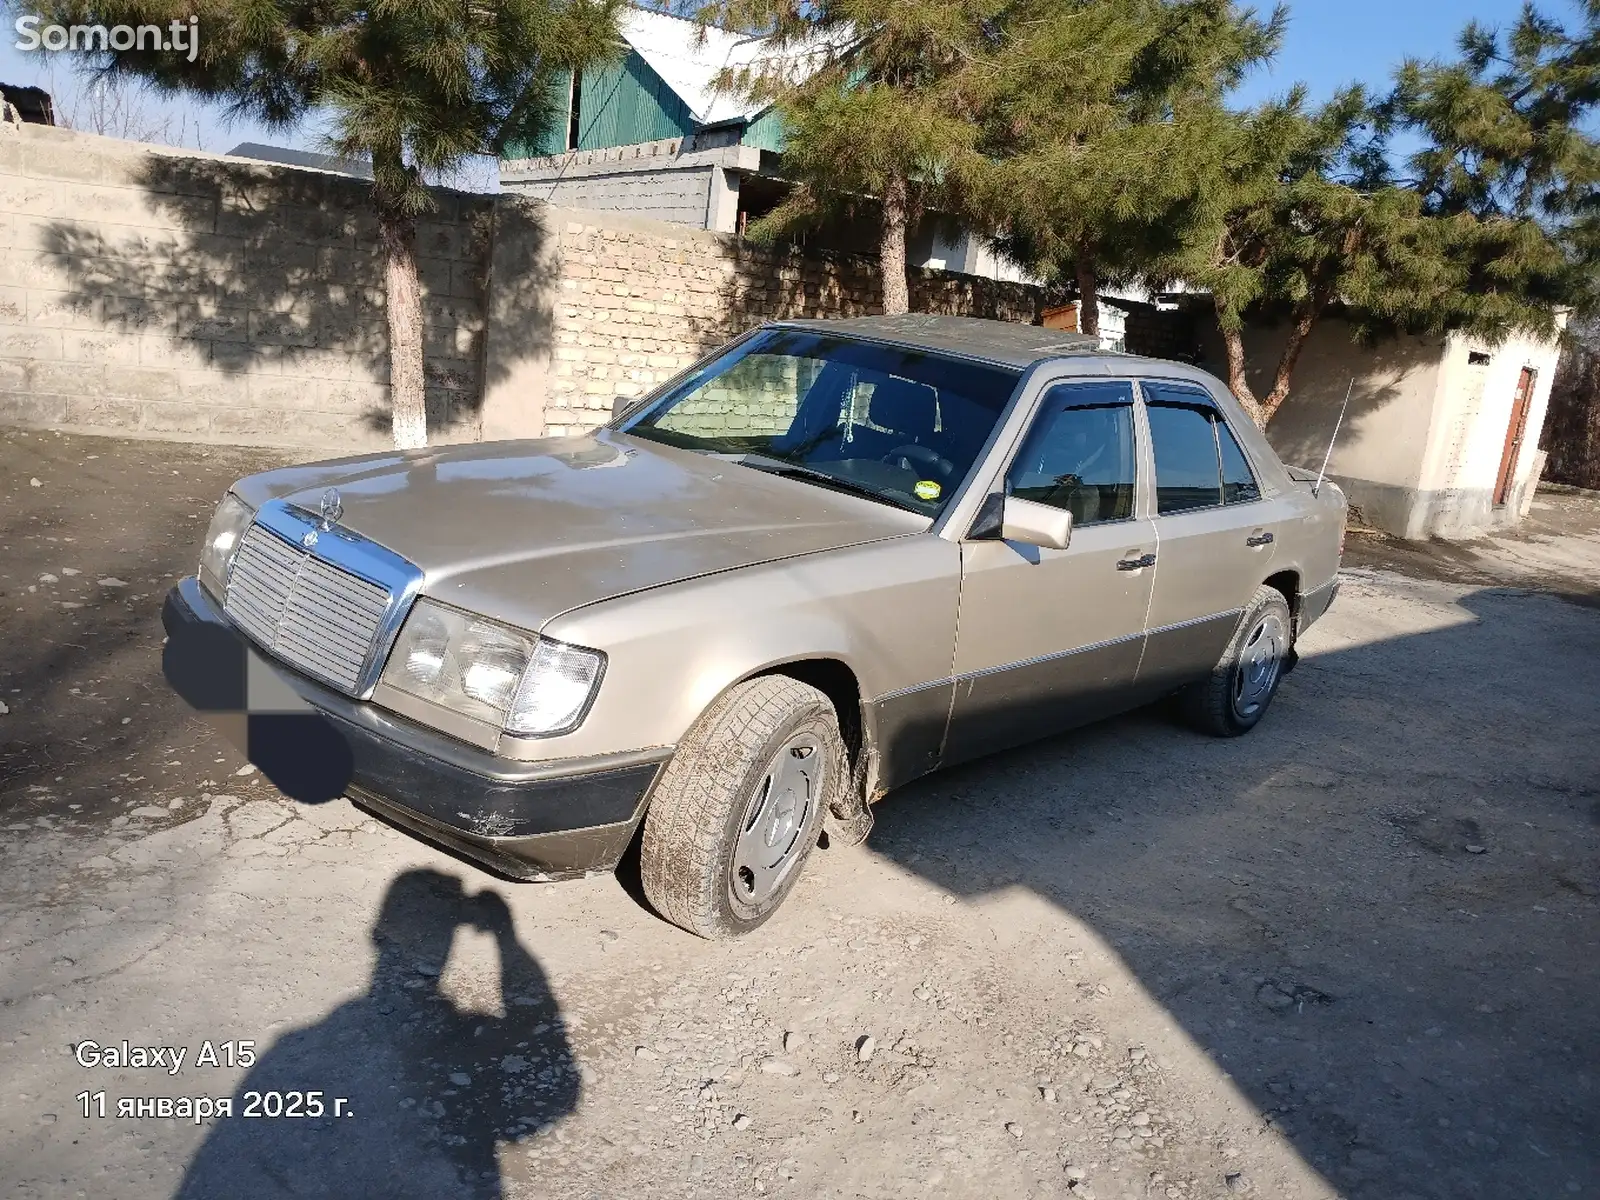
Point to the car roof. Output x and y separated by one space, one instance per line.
1006 342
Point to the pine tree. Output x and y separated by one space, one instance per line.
1508 139
1292 217
1097 116
881 118
417 86
1505 126
1492 227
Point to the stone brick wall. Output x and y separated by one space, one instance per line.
167 294
639 301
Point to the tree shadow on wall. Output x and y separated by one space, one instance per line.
255 272
1383 371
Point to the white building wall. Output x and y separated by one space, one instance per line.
1475 408
1419 450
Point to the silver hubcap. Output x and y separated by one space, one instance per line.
778 813
1259 663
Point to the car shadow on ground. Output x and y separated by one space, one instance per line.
430 1088
1377 912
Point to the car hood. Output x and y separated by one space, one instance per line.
526 530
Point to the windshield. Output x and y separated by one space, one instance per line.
896 424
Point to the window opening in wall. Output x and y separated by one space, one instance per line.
573 101
1477 358
759 195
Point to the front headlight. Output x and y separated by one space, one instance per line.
491 672
228 526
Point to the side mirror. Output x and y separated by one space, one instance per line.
1035 524
621 405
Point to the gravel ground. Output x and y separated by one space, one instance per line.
1353 954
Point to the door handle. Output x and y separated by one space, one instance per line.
1134 564
1259 539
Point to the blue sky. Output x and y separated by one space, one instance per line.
1329 43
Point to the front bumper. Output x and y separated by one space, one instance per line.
537 821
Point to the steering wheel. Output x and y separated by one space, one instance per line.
914 457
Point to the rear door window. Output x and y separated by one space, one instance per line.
1188 470
1238 480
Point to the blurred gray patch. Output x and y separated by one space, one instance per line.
266 691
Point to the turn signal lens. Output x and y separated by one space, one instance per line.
228 526
555 692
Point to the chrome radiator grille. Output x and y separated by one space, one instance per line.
308 612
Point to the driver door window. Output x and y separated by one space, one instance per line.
1079 454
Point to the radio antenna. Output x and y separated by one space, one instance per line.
1316 488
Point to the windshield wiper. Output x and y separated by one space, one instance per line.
789 470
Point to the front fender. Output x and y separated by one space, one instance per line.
887 611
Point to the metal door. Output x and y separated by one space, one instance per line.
1515 432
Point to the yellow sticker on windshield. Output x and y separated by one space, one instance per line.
927 489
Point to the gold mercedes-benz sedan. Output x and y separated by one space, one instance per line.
829 558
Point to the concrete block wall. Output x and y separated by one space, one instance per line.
1158 333
174 294
680 196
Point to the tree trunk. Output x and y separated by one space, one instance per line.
1233 340
1088 291
892 247
407 396
1304 318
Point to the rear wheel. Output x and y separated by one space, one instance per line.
740 806
1235 696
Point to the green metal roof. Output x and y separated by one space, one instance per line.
627 103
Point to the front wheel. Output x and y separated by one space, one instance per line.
1234 697
740 806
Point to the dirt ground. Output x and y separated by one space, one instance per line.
1353 954
1555 549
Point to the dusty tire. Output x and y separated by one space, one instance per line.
1235 696
719 813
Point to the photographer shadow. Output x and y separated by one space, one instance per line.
430 1088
